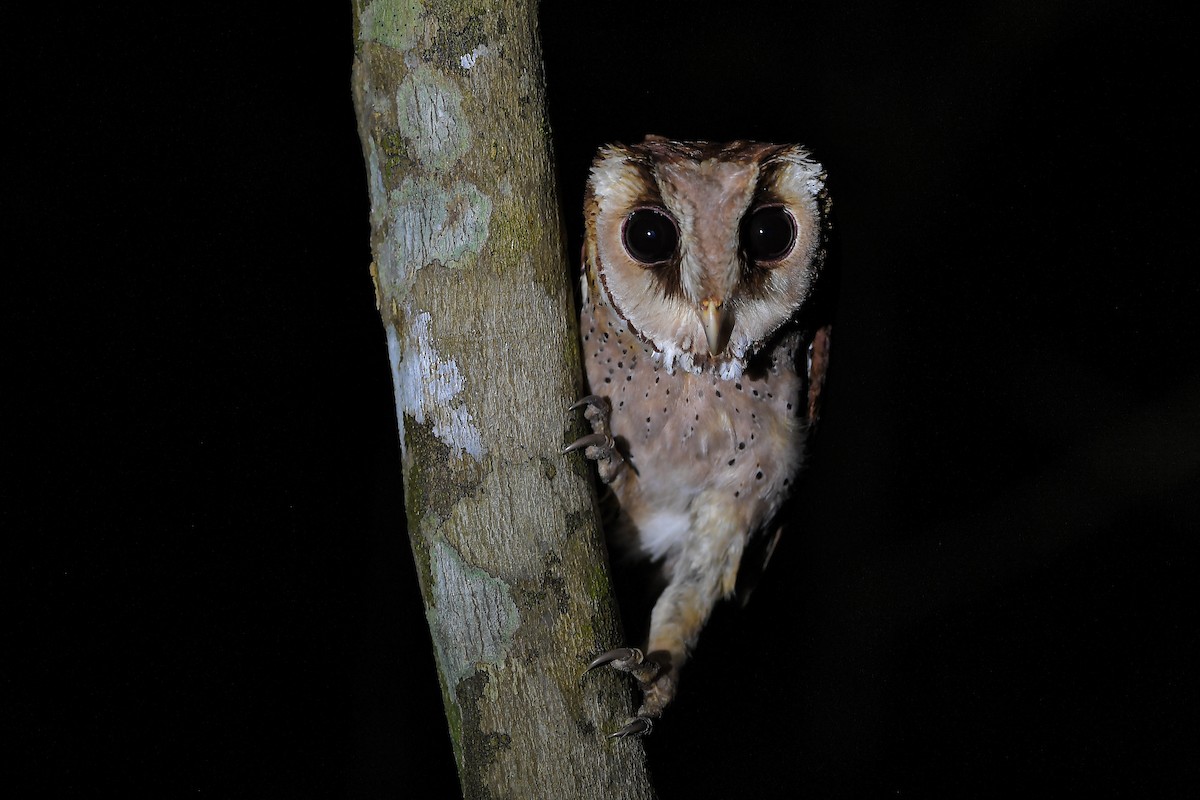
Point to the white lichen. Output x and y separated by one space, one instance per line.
468 60
426 386
375 186
397 24
423 223
430 117
432 225
465 640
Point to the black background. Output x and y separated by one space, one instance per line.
987 590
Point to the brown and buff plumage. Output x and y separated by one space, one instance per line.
705 368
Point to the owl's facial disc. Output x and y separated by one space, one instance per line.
704 250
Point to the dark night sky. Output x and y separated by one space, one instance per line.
986 592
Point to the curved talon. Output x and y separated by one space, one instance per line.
635 727
625 656
591 400
583 442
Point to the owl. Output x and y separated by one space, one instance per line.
706 352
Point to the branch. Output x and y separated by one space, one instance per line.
472 285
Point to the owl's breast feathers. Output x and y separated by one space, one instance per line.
693 438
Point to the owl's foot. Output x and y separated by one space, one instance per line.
656 681
598 446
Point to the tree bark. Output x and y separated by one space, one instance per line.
472 286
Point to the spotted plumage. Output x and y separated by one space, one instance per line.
705 362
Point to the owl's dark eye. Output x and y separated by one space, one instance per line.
769 233
650 236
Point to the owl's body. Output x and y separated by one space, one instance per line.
699 263
695 441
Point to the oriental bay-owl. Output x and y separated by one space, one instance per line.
705 357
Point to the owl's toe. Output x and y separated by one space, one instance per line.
631 660
602 442
591 400
595 410
622 658
637 726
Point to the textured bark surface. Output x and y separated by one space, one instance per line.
472 285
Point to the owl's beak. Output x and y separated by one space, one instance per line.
718 324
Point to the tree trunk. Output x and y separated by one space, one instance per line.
472 285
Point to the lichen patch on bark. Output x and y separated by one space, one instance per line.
465 641
397 24
433 225
430 117
426 385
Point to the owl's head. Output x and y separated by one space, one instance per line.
705 250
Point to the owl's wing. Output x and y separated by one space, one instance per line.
761 546
817 366
754 562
